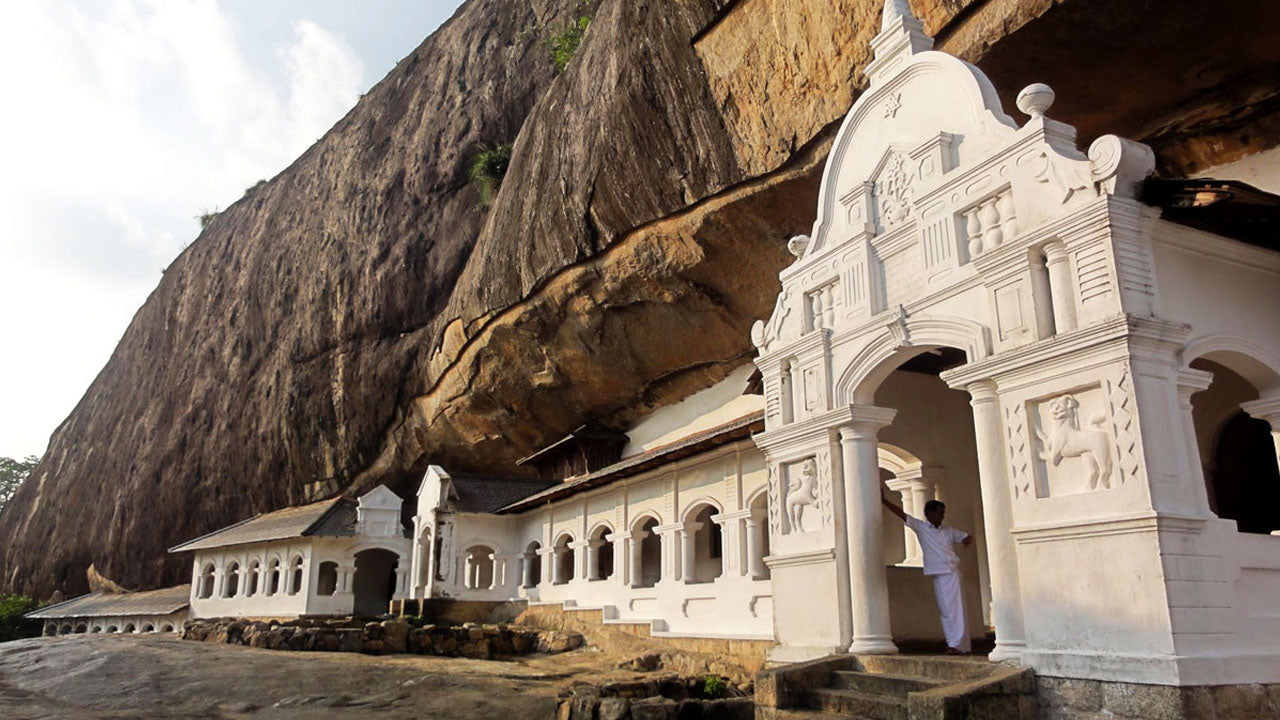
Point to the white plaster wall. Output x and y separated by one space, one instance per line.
733 605
703 410
1261 170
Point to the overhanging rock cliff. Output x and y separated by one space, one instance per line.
360 314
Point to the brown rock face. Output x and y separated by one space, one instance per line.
359 315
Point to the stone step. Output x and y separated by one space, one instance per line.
800 714
881 683
859 704
930 667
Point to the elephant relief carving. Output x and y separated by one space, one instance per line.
1068 440
802 492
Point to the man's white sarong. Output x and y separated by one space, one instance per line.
947 588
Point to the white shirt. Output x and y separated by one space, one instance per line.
938 545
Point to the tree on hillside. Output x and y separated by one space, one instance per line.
12 473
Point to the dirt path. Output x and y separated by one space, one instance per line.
114 677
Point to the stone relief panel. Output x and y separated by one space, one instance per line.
1075 448
1015 425
894 188
803 496
1124 425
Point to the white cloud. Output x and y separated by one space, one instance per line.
126 118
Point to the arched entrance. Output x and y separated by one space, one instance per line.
374 582
704 552
646 552
1238 452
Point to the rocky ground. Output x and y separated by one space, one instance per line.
113 677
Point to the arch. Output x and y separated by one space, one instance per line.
231 579
374 581
563 560
295 578
645 517
327 578
1237 452
707 543
205 590
895 459
646 551
601 539
1246 358
82 629
64 629
533 564
129 628
697 503
891 348
273 575
112 629
253 580
480 568
167 627
148 628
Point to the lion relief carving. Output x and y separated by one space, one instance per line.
802 491
1067 439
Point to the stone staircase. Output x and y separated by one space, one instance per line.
896 687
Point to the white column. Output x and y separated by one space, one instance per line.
402 581
755 526
868 584
579 558
911 543
548 565
997 514
527 561
619 541
730 552
593 559
1267 408
468 573
688 544
671 553
1190 382
499 570
634 546
1064 302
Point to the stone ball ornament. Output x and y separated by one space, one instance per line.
1036 99
798 244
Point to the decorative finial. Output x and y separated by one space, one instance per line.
1035 100
894 10
798 244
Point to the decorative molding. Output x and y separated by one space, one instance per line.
809 557
1143 522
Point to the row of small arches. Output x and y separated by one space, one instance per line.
126 628
270 586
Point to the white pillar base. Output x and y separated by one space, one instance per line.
873 646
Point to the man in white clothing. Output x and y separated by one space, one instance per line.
943 565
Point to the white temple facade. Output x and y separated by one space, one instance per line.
335 557
983 314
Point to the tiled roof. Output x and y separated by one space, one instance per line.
690 445
100 604
486 493
336 516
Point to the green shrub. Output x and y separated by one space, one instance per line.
414 621
713 686
12 625
206 216
488 168
565 43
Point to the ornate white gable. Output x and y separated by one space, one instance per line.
927 175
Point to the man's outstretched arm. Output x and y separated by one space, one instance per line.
896 510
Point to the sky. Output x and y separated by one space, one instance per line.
126 120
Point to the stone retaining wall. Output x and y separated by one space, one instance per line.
1070 699
667 697
388 636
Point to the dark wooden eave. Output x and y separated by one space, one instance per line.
1228 208
697 443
